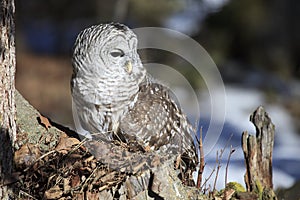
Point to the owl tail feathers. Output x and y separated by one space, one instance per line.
77 124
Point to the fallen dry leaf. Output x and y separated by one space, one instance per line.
44 121
26 155
67 186
75 181
53 193
66 143
147 148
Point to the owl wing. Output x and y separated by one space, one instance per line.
155 122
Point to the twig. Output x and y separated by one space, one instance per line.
218 158
201 167
210 175
227 143
232 150
85 182
21 192
40 158
218 168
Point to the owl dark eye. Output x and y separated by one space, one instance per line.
117 53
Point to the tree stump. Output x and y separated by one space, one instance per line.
258 154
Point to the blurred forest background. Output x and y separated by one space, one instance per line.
255 44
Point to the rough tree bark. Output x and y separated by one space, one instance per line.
7 89
258 151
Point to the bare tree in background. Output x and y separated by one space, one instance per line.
7 89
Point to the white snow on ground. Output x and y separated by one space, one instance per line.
236 174
240 103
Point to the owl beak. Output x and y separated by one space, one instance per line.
128 67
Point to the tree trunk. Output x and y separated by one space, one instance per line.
7 89
258 150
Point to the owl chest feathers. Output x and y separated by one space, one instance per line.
101 103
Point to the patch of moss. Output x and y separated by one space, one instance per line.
236 186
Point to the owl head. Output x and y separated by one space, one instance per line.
108 50
107 69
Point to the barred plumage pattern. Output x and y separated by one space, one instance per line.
115 99
102 90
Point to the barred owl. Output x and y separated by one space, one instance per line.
115 99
